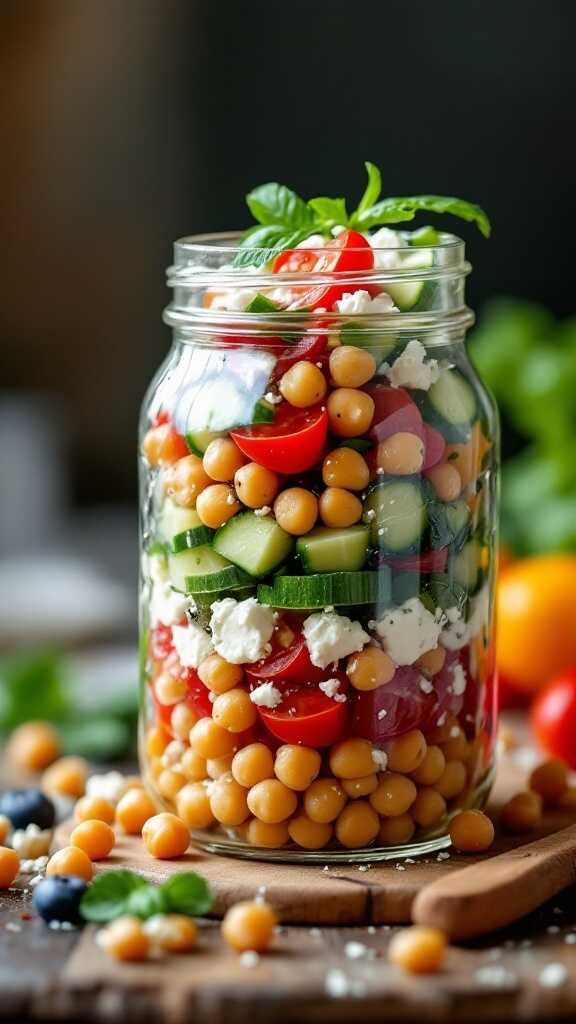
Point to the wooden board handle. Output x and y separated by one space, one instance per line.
495 892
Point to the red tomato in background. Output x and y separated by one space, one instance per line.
293 443
553 717
349 252
307 716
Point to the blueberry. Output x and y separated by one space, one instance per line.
27 807
57 898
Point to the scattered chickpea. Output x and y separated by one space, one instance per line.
249 926
431 769
193 806
357 825
172 933
234 710
370 669
222 459
549 779
33 746
567 802
71 860
394 795
125 939
303 384
133 811
407 752
351 759
186 480
418 950
66 777
345 467
324 800
209 739
522 813
271 801
364 786
217 504
401 454
9 866
95 837
296 510
91 808
452 781
397 831
163 446
255 485
339 508
228 801
5 828
471 832
297 767
253 764
165 836
446 481
310 835
218 674
351 367
266 835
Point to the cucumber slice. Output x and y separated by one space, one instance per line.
466 565
400 515
199 440
262 304
451 405
229 578
201 561
335 588
458 521
381 346
424 236
405 294
256 544
330 550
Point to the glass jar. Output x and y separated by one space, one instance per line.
318 530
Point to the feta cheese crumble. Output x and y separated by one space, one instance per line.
411 369
241 630
31 842
110 786
167 606
460 681
458 633
330 636
264 511
380 759
192 644
266 696
330 687
409 631
360 302
384 242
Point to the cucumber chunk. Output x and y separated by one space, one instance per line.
199 440
458 518
182 528
451 405
405 294
330 550
200 561
400 515
256 544
466 565
335 588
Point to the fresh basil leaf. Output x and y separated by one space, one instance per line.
371 192
263 245
108 896
402 208
32 679
147 901
98 738
329 211
445 592
425 236
262 304
187 893
275 204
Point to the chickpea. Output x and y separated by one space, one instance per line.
165 836
170 783
173 754
550 779
95 837
397 831
133 811
429 807
363 786
182 720
222 459
172 933
432 661
456 747
350 412
125 939
303 385
5 828
310 835
209 739
271 801
452 781
255 485
228 801
418 950
471 832
169 689
234 710
351 759
401 454
219 675
33 746
522 813
407 752
345 468
297 767
193 806
324 800
249 926
163 446
94 808
446 481
186 480
192 766
339 508
431 769
157 739
296 510
441 733
217 504
270 837
9 866
394 795
567 802
351 367
253 764
66 777
370 669
357 825
216 767
71 860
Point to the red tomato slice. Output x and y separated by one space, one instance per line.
295 261
293 443
161 642
289 663
349 252
307 716
435 447
429 561
311 348
198 697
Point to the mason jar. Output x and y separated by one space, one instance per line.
318 528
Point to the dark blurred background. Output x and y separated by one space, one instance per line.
125 125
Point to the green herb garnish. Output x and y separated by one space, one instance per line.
115 893
285 219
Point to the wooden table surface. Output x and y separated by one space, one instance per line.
527 973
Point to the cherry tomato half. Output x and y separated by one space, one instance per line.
289 663
350 251
311 348
160 642
293 443
307 716
553 717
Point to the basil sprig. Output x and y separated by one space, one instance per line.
285 219
115 893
